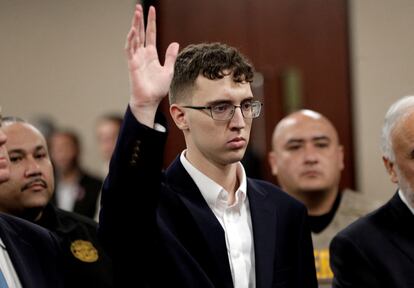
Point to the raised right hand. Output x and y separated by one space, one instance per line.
149 80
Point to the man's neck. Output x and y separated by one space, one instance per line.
318 202
224 175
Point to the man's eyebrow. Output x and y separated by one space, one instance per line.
323 137
295 141
16 150
22 151
227 101
40 147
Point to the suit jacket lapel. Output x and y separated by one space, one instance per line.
16 248
213 233
263 213
402 220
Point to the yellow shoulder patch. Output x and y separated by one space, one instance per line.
84 251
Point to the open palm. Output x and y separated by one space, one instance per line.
149 80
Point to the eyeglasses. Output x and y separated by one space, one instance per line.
225 111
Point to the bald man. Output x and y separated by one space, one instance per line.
26 194
29 254
307 159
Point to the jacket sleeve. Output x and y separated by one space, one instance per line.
131 190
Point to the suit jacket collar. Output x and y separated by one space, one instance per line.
20 252
401 222
180 181
262 212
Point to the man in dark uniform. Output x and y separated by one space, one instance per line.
27 195
29 254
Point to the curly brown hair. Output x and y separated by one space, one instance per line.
213 61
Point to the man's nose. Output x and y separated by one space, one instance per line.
310 154
33 168
238 119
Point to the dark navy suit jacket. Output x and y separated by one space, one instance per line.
161 222
376 250
33 251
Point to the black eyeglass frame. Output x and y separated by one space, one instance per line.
253 103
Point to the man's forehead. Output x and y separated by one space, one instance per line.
301 127
306 127
22 136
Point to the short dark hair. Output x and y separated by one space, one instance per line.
213 61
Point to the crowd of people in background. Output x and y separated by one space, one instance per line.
203 221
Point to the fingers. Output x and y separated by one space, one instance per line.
171 55
136 35
130 44
151 33
141 25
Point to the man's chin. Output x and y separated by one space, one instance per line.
33 212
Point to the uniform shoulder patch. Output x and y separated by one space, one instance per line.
84 251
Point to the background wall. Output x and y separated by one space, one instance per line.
383 71
64 59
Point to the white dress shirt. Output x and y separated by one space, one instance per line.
404 200
7 268
235 220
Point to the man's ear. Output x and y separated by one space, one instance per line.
390 166
179 116
341 157
271 157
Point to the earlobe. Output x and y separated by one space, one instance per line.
178 115
389 165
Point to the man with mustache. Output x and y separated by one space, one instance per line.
307 160
377 251
29 254
27 194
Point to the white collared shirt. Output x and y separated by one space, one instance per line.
404 200
7 268
235 220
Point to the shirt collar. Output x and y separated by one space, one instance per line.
2 244
210 189
404 200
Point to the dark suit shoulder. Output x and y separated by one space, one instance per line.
22 227
361 228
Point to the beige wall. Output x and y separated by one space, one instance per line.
64 59
383 71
